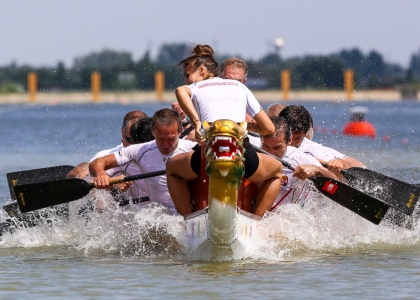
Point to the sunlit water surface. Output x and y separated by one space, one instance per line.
319 251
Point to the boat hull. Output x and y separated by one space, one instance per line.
196 235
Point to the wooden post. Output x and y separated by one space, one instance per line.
285 83
349 83
95 80
159 85
32 86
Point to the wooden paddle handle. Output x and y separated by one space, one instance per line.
115 180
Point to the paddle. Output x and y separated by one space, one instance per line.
36 175
44 194
186 132
358 202
398 194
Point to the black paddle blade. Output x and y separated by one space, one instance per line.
358 202
36 175
398 194
35 196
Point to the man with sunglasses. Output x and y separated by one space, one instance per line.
300 121
136 131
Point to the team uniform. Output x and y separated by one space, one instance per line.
148 158
218 98
318 151
138 188
288 192
103 153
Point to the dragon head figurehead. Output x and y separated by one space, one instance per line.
224 148
225 156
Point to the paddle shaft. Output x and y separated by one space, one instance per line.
360 203
186 132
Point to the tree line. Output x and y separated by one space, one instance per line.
119 72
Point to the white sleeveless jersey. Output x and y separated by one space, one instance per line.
288 193
218 98
318 151
149 159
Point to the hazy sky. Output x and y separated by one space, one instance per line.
44 32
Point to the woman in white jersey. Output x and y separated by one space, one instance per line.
208 98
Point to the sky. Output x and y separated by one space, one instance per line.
45 32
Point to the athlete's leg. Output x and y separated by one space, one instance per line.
269 173
178 171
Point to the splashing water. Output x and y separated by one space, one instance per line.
290 233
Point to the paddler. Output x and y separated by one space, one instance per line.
278 144
300 121
207 97
149 157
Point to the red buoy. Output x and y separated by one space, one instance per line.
358 126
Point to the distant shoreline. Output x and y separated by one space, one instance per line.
54 98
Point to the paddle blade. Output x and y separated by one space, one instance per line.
35 196
358 202
398 194
36 175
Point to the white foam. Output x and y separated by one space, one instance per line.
322 226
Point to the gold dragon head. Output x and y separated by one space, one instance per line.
224 148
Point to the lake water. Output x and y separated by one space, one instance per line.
319 251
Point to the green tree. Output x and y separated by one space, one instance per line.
320 72
171 54
60 76
109 63
414 66
374 65
145 70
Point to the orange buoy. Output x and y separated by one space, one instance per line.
358 126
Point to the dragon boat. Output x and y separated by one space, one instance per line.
222 217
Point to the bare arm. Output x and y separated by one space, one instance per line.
336 165
183 95
97 170
350 162
181 113
80 171
306 171
262 124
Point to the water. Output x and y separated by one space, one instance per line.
320 251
